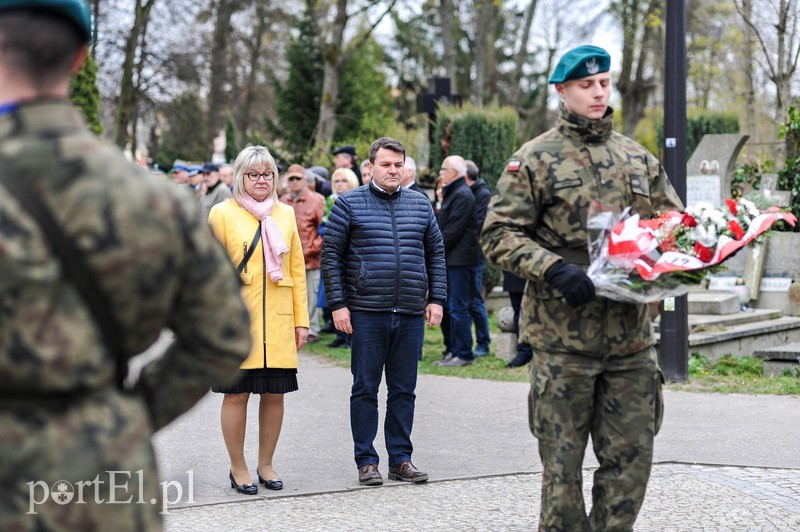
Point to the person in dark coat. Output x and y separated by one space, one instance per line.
345 157
384 270
459 225
515 286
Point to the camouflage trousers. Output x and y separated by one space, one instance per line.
618 401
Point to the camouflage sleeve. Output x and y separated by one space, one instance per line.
511 222
662 196
209 319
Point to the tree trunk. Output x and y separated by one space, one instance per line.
255 46
334 56
522 54
127 92
483 20
219 70
447 20
95 18
635 88
749 73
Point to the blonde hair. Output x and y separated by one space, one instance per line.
248 159
352 180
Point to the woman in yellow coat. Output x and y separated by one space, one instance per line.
255 226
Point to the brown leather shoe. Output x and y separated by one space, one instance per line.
312 338
407 472
369 475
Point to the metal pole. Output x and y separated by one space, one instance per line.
674 352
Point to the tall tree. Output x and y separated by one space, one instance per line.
128 93
639 18
522 53
85 94
254 44
749 64
779 40
297 99
219 66
447 19
485 31
335 51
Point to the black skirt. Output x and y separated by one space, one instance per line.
262 380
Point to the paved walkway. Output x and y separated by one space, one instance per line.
472 437
680 498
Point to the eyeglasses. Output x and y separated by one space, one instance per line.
253 176
340 180
295 178
445 170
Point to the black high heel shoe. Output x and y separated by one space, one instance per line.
247 489
273 485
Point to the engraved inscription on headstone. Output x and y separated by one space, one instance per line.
775 284
704 188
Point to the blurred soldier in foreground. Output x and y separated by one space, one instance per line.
75 450
594 367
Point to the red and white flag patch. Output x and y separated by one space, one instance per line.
514 165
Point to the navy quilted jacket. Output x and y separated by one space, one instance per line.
383 253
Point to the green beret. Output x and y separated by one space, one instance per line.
581 62
75 11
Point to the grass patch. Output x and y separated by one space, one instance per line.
487 367
737 375
726 375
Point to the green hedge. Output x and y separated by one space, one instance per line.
485 135
701 123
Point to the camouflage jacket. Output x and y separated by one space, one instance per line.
61 415
538 215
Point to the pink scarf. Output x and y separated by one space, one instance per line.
271 238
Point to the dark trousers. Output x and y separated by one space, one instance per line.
391 343
460 283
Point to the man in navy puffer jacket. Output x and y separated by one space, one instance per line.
384 269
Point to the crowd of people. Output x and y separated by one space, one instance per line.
97 259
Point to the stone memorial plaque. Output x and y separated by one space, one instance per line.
721 283
704 188
775 284
782 256
715 155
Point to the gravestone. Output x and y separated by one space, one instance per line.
769 189
710 169
781 269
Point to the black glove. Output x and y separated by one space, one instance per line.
572 282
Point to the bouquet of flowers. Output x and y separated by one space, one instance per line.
641 261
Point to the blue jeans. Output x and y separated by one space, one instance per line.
477 310
390 342
460 282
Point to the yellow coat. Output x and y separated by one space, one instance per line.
275 308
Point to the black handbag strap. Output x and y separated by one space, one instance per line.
249 253
74 267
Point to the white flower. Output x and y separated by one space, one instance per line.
707 236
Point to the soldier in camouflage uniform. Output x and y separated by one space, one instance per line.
594 369
64 422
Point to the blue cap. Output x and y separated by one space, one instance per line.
178 167
194 170
210 167
581 62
